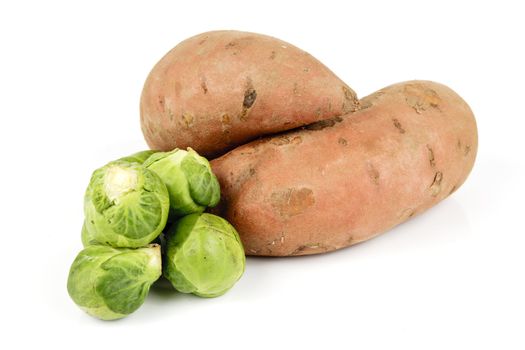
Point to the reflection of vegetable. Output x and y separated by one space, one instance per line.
138 157
125 205
191 184
204 255
110 283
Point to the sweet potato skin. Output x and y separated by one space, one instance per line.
220 89
345 180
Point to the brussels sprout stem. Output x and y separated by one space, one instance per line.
155 255
119 181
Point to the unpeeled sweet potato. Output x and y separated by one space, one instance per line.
346 179
217 90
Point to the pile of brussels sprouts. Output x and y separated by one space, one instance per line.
143 219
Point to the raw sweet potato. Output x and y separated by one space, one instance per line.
346 179
220 89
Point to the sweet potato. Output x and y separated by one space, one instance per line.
344 180
221 89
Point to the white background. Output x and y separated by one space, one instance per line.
453 278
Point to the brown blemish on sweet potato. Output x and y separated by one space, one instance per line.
373 173
226 128
435 187
342 141
227 136
406 214
238 181
250 95
286 140
249 98
364 104
162 103
296 140
370 100
204 87
465 150
349 94
272 55
431 158
320 125
187 119
311 248
226 120
292 201
279 141
351 102
398 125
421 99
170 114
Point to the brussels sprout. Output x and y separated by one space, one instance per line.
126 205
191 183
204 255
138 157
110 283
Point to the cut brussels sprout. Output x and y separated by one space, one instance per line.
125 205
111 283
139 157
190 181
204 255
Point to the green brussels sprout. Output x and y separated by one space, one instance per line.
139 157
204 255
190 181
110 283
125 205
